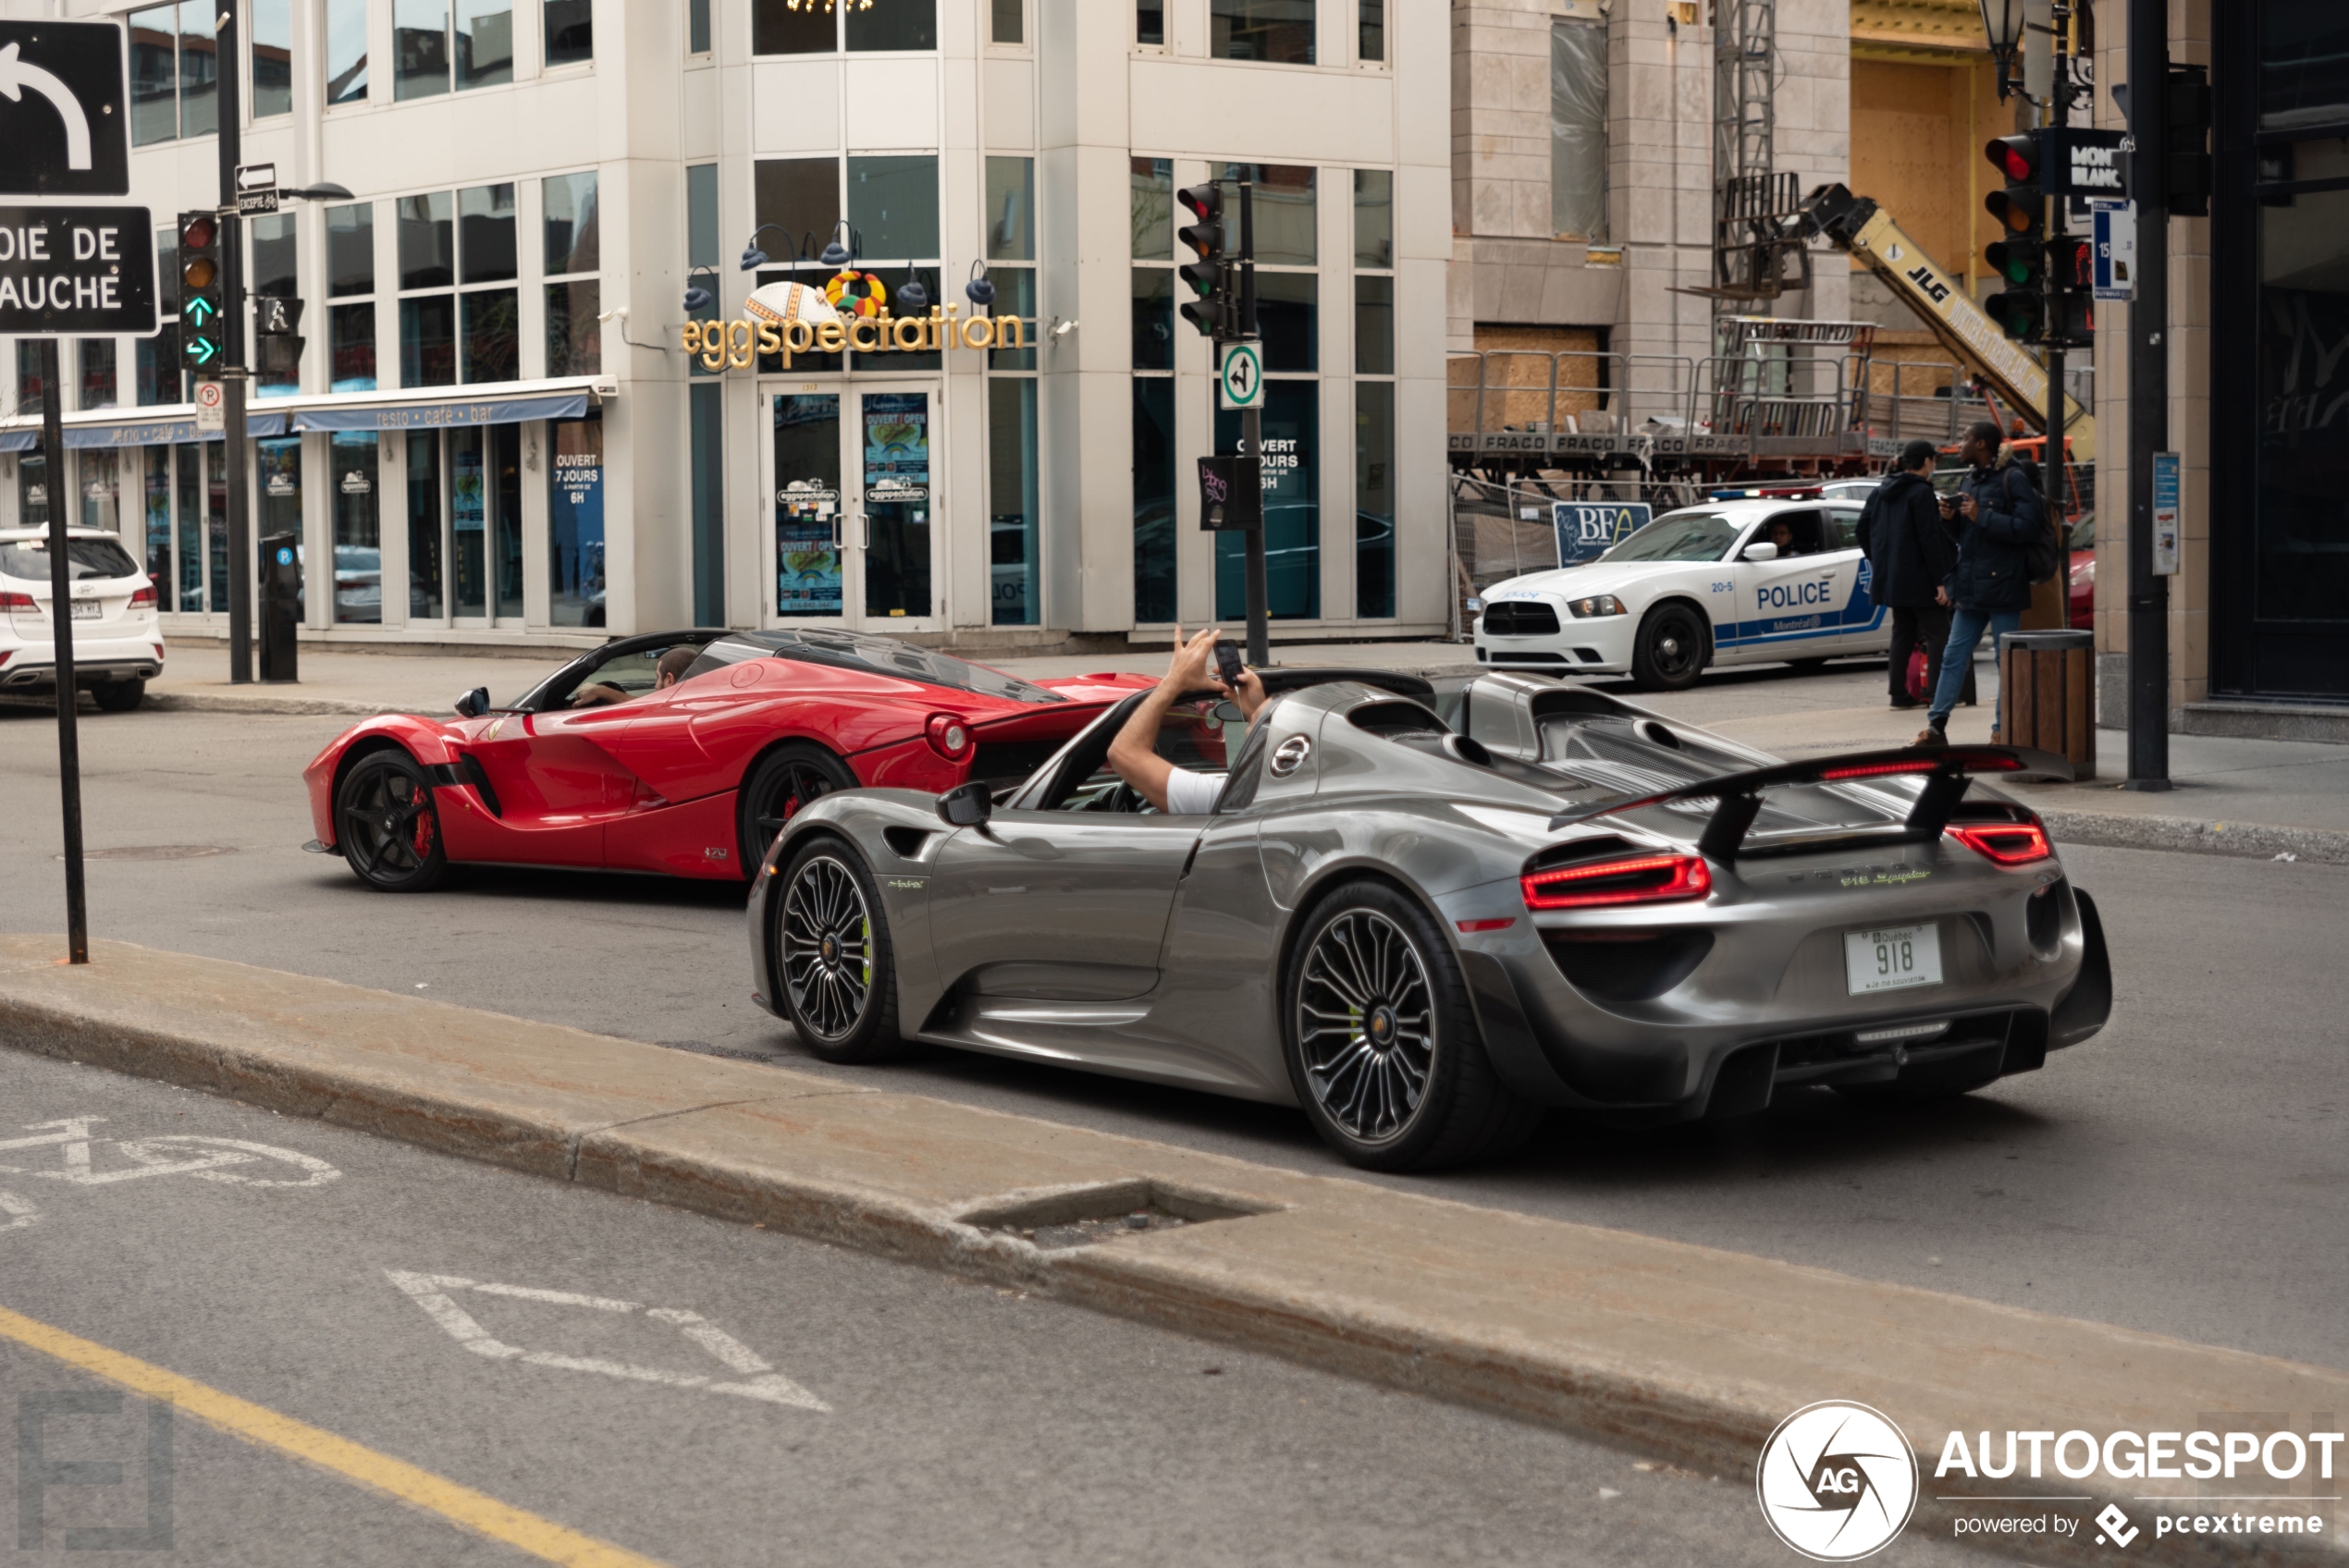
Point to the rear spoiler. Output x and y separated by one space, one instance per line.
1945 770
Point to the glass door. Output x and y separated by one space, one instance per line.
898 525
806 453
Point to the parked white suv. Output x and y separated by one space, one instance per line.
118 647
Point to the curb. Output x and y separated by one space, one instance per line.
1688 1352
2192 836
199 702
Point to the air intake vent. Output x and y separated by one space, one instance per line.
1521 617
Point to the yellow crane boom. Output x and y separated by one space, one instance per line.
1859 226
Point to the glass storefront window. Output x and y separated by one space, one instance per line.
1150 208
801 197
1015 296
1373 324
271 24
215 519
32 491
493 338
896 24
420 48
893 204
351 347
426 579
2304 64
709 453
575 522
190 460
485 42
157 509
469 521
1011 209
1153 318
94 357
1374 218
1014 556
346 52
807 505
1375 500
99 474
1154 499
2301 559
779 27
1288 319
505 476
1292 506
895 437
1278 30
359 557
1286 231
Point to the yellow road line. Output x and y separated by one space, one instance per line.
460 1505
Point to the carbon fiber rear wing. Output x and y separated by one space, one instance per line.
1945 771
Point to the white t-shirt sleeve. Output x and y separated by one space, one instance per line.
1192 794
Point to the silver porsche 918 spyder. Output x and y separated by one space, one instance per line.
1426 912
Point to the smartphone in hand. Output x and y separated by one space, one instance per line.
1228 668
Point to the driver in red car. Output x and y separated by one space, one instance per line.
1178 792
668 672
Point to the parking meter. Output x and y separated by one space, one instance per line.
280 590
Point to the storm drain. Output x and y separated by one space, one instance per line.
1078 1217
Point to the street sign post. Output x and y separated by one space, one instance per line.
2114 227
256 189
212 406
88 272
1240 383
64 109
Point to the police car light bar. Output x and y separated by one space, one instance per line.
1769 493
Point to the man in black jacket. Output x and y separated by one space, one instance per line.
1990 587
1911 551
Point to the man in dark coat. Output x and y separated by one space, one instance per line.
1910 552
1990 587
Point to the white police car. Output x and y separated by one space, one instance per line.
1758 576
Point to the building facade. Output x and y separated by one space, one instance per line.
494 430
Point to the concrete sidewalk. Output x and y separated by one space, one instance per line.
1686 1353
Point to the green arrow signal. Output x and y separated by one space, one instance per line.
202 350
199 310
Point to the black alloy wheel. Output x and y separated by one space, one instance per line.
835 969
386 826
1383 1044
780 785
1670 653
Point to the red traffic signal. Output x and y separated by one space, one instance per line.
1205 237
196 232
2016 157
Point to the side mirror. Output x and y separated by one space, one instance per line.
1766 551
474 704
967 805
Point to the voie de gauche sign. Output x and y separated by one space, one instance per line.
86 271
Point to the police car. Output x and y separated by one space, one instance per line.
1753 576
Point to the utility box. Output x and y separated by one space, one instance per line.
280 606
2046 695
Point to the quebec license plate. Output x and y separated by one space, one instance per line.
1892 958
88 609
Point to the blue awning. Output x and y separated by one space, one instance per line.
571 403
150 433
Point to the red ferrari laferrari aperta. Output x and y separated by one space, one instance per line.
620 761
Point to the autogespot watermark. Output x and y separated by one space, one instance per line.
47 1421
1837 1480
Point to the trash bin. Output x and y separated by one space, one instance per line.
280 590
2045 690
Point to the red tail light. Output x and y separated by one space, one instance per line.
1627 879
16 602
2005 843
949 736
145 594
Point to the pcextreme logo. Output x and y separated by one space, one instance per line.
1837 1481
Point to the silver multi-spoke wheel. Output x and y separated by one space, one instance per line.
826 948
1366 1024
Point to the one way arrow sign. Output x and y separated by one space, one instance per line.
63 110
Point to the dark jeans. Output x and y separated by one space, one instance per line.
1922 625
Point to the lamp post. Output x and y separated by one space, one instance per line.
2005 33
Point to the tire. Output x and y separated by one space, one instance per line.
386 826
772 793
841 999
1670 653
118 696
1369 961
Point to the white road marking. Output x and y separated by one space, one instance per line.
235 1151
20 1213
760 1380
161 1155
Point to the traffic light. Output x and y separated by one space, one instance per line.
2071 273
2021 258
276 325
1211 312
203 293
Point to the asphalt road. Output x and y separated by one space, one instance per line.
961 1422
2183 1173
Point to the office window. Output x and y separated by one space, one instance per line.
894 24
418 48
1373 324
94 357
1015 296
198 70
485 37
1277 31
571 32
1286 235
351 270
1374 499
1374 218
157 357
154 75
427 240
271 24
486 233
1008 21
1011 209
428 341
493 336
350 346
1370 36
1577 129
1150 208
1154 499
1149 22
351 249
359 557
1153 318
893 204
275 274
346 52
697 27
781 27
701 247
575 524
1288 319
574 337
801 196
1014 546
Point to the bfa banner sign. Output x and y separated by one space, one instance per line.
1588 529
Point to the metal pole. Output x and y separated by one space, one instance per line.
1253 440
53 463
2149 395
241 562
2060 291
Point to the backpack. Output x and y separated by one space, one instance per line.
2042 558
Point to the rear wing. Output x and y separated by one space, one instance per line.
1946 772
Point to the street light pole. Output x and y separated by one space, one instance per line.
2059 288
52 480
243 567
2148 393
1259 651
